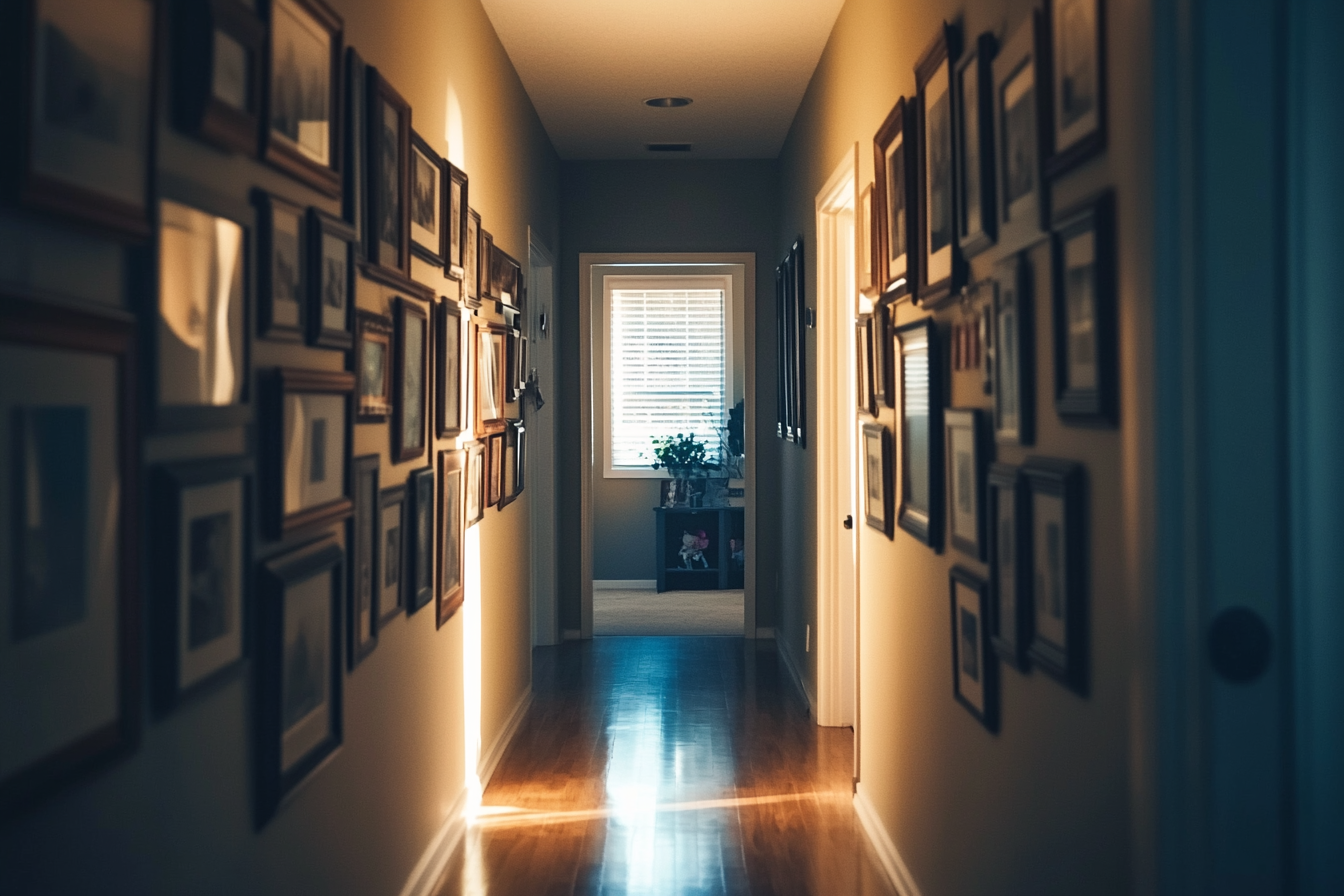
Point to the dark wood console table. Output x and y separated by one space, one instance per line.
716 567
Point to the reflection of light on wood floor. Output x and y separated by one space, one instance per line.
509 816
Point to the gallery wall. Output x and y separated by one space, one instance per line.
176 815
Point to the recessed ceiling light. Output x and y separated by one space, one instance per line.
668 102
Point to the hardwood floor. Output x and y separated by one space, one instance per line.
667 766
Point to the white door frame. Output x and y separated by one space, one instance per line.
837 547
542 451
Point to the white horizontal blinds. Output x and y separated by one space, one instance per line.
668 365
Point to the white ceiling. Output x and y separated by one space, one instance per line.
588 65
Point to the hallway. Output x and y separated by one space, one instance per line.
667 765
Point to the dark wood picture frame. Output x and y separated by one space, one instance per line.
458 195
510 485
451 545
325 271
967 427
936 180
354 197
284 382
884 383
391 554
1013 356
519 434
197 108
494 468
486 282
283 151
418 536
973 657
491 380
1009 541
1083 264
276 781
410 428
1072 104
388 260
27 324
1021 126
1059 619
471 261
920 373
877 460
373 393
973 92
863 353
473 501
894 159
449 370
281 271
866 227
361 603
437 253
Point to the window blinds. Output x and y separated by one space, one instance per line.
668 365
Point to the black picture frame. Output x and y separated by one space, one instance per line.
323 496
1021 123
783 428
975 666
355 147
942 270
863 354
451 546
282 303
471 282
920 418
316 163
217 53
362 596
458 196
388 183
973 83
1012 357
410 378
428 196
884 383
519 439
295 668
877 482
486 282
1009 542
1059 538
797 269
895 210
968 448
1077 31
373 367
201 529
473 503
450 393
419 571
390 546
330 281
1082 254
509 486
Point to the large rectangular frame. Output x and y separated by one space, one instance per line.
924 523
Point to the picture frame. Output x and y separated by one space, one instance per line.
487 283
877 478
473 504
863 353
1009 542
389 182
90 158
390 553
201 530
355 146
795 344
1077 83
428 203
490 376
420 501
513 351
217 53
362 595
1021 115
471 283
507 277
867 236
975 666
450 394
67 386
783 402
199 327
920 418
973 85
1012 357
298 722
318 404
1082 255
884 386
510 485
282 303
458 195
967 449
330 281
942 270
494 466
452 569
1058 569
373 367
896 210
302 134
410 429
519 430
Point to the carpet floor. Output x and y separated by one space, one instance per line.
670 613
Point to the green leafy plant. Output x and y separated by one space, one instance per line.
681 452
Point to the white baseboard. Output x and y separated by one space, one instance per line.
782 644
765 633
424 878
897 872
624 584
485 766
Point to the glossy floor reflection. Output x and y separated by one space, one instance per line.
667 766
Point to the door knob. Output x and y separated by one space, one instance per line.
1239 645
849 521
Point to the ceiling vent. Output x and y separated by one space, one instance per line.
668 102
668 147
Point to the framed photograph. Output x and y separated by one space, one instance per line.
70 608
507 277
489 286
217 50
474 499
1010 610
355 143
973 87
968 450
331 281
518 444
361 607
389 179
783 407
306 449
1083 258
419 538
200 331
796 316
884 385
471 254
200 531
512 360
1078 83
975 667
457 222
1012 355
494 468
409 428
867 236
490 375
452 488
1019 114
1058 569
893 186
511 485
876 478
429 197
449 395
281 301
373 359
303 93
921 425
391 516
863 352
299 678
83 123
942 270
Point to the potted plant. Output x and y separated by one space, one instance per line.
685 458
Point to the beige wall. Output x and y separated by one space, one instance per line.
1054 803
176 816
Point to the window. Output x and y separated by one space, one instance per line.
669 364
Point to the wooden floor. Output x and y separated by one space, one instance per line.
667 766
